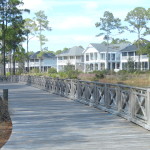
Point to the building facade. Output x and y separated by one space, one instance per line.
130 53
72 56
101 57
43 63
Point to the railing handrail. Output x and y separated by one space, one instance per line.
132 103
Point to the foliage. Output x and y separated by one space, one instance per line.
52 70
138 20
118 41
11 27
30 53
62 74
99 74
108 24
34 70
61 51
130 64
42 24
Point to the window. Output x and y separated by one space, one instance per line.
102 56
131 53
102 66
112 56
36 60
144 65
91 56
118 65
96 66
95 56
108 56
59 58
72 57
117 56
65 57
91 67
78 57
124 66
124 53
87 57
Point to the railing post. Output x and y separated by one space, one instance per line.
5 95
106 96
5 114
148 108
132 105
118 94
78 89
72 89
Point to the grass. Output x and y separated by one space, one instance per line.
131 79
137 78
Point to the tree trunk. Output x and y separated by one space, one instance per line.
13 61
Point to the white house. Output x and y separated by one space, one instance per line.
130 52
101 56
73 56
47 60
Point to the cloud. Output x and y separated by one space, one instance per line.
73 22
90 5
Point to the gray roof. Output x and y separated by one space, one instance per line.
112 47
130 48
74 51
133 47
45 55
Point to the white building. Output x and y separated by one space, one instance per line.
130 52
43 63
47 60
95 56
73 56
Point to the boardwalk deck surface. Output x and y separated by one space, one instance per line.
43 121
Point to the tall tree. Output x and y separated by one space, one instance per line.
107 25
138 20
42 25
3 25
11 22
30 32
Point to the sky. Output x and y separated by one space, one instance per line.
73 21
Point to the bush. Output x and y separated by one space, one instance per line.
99 74
35 70
62 75
8 73
52 70
122 72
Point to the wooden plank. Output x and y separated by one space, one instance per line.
43 121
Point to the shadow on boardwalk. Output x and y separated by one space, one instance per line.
43 121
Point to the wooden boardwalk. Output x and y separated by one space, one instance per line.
43 121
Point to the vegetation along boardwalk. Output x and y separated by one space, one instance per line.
44 121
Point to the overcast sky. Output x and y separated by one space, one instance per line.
73 21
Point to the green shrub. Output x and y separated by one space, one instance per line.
35 70
8 73
52 70
62 75
98 75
